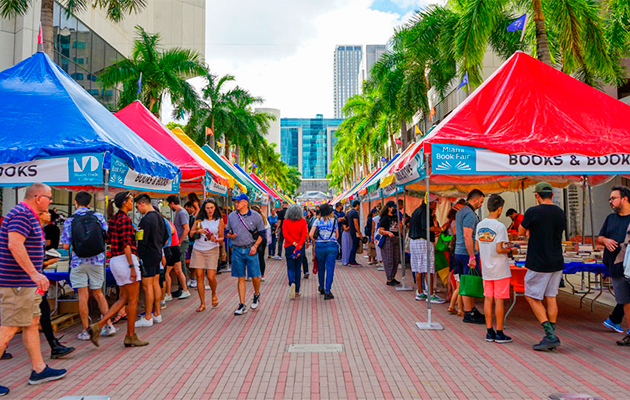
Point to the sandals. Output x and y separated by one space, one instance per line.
119 318
201 308
451 310
215 301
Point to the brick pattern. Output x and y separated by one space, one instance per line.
216 355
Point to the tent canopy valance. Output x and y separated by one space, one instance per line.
526 121
228 166
57 133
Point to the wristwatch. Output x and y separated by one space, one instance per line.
131 266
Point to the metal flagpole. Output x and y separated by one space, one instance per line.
105 216
401 241
428 325
228 206
582 286
590 205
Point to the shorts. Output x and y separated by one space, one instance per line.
150 269
499 289
174 257
242 260
205 259
462 263
418 250
621 286
371 249
19 305
539 285
119 268
84 273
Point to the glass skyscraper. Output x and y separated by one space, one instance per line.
346 75
307 143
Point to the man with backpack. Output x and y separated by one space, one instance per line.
85 232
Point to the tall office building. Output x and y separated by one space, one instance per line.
87 42
346 74
308 143
372 53
273 133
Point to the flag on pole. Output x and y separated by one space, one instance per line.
139 84
220 144
40 37
383 159
431 113
209 132
464 81
518 24
418 131
398 142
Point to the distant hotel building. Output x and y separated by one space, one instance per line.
346 75
308 143
372 53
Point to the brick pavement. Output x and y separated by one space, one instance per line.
215 355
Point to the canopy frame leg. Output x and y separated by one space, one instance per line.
401 228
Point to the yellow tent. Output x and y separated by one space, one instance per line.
202 154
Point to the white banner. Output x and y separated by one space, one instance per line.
79 169
412 172
123 176
214 187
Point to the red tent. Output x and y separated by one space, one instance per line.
269 190
526 121
526 106
139 119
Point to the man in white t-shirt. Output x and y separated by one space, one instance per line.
494 246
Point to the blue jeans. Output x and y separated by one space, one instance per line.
294 267
272 245
326 254
242 260
353 251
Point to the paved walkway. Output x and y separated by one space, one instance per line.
215 355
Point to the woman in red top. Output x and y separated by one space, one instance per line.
294 232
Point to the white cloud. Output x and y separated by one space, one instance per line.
282 50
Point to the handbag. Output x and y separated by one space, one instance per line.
471 284
443 242
360 248
381 240
315 266
626 262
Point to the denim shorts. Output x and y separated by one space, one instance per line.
241 260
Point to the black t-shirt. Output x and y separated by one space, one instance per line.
389 223
351 216
52 233
281 215
545 223
615 228
417 224
150 247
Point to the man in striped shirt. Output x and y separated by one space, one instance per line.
21 280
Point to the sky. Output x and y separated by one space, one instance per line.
282 50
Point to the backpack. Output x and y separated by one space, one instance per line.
88 236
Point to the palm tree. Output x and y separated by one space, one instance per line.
115 9
163 72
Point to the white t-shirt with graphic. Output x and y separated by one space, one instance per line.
495 266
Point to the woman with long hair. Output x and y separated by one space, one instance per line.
294 231
194 200
388 226
326 248
346 243
205 254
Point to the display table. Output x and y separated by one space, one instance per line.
62 278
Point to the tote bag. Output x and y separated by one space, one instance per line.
471 284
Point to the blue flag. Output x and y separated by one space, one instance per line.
139 84
518 24
383 159
464 81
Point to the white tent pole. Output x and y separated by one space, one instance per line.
429 325
401 236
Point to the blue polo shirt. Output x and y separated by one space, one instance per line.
20 219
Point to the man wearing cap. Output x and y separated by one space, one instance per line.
246 230
544 224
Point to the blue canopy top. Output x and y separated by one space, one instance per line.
45 113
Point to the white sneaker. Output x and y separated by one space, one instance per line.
144 323
262 278
83 336
168 297
162 305
109 330
242 309
184 295
207 287
277 258
248 279
192 283
255 302
292 291
157 319
436 300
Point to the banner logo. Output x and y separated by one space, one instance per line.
86 161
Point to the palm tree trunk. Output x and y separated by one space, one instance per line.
211 138
152 104
46 17
227 147
542 44
403 132
366 161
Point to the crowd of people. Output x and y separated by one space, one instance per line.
147 254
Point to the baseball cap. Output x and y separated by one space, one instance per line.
543 187
325 210
242 197
120 198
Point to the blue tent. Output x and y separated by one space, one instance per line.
53 131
